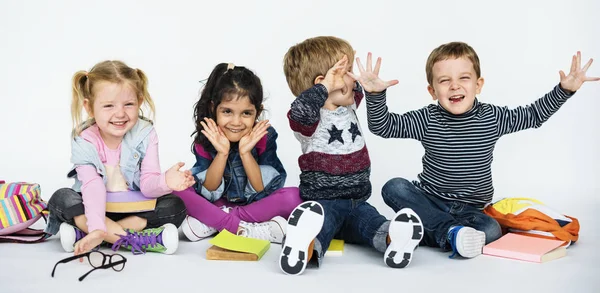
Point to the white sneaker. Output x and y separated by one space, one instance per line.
405 231
304 223
272 231
195 230
69 235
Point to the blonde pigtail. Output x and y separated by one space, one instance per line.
79 87
146 99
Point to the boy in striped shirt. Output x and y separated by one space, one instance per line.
459 134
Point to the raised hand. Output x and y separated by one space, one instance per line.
88 242
576 77
179 180
369 79
248 141
334 79
215 135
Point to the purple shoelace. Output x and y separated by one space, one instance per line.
79 234
138 241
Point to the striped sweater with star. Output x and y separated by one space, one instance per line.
459 148
334 162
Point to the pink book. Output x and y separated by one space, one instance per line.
526 248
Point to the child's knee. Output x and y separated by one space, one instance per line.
396 187
292 196
64 199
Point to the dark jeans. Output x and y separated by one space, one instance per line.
65 204
437 214
353 221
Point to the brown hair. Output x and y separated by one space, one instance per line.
305 61
451 50
109 71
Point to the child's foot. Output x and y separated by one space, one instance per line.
304 224
466 241
405 232
195 230
69 235
164 239
272 231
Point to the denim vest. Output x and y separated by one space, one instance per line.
235 185
133 149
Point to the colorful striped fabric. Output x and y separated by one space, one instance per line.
19 203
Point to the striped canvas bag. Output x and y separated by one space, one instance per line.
20 207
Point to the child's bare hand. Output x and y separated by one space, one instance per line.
215 135
88 242
248 141
576 77
334 79
369 79
179 180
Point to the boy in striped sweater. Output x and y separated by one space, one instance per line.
459 135
335 163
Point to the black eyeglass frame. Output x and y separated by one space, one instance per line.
104 265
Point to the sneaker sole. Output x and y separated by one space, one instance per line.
472 242
67 232
304 224
406 232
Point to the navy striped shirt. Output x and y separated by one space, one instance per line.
459 148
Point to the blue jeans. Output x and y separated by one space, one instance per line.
437 214
353 221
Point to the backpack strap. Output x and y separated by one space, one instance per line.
28 235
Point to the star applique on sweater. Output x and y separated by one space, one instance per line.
354 130
335 134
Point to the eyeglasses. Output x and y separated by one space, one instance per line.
98 260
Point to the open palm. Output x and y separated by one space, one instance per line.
215 135
334 78
248 141
369 78
576 77
179 180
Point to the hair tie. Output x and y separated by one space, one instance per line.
230 66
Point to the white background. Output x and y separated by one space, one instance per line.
522 46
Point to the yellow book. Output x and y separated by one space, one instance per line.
228 246
336 248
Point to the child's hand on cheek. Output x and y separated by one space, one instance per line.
179 180
215 135
248 141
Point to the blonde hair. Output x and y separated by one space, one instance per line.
109 71
451 50
305 61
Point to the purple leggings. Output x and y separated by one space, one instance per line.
279 203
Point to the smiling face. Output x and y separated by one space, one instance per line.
455 84
236 117
115 109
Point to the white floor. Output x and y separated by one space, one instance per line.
26 268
